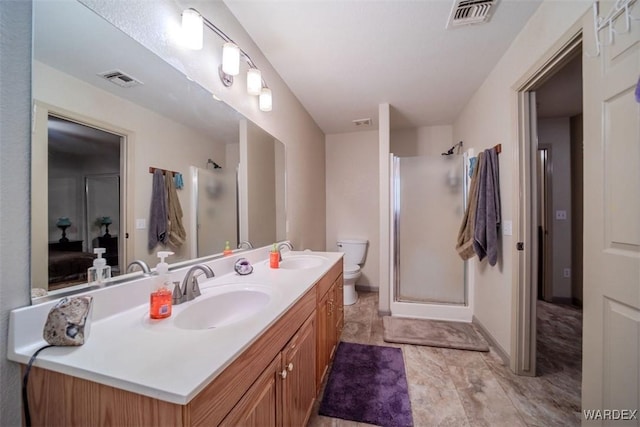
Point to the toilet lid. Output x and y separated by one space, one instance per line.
351 268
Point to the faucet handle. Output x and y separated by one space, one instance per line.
177 297
193 289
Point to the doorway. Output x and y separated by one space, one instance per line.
558 314
551 182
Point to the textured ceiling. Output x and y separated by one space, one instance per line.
343 58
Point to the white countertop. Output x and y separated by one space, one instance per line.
155 358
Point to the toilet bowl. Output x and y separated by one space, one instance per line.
351 274
355 252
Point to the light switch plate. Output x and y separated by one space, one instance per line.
141 224
507 228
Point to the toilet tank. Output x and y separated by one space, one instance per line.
355 250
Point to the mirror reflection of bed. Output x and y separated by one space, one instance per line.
83 199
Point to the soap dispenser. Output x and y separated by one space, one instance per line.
100 270
227 249
161 294
274 257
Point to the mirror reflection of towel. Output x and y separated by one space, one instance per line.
158 212
175 228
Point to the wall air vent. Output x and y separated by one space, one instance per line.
362 122
467 12
119 78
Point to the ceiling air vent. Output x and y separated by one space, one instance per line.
467 12
362 122
119 78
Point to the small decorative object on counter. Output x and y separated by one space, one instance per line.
243 267
161 294
68 322
227 249
274 257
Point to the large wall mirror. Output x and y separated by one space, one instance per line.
107 111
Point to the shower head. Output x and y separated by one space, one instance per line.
215 165
450 151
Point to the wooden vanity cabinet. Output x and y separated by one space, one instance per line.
330 319
274 382
285 392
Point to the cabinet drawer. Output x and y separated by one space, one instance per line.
327 280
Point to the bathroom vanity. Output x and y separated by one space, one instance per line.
263 370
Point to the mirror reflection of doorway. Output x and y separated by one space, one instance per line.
545 247
84 199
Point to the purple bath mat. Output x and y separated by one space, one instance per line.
367 384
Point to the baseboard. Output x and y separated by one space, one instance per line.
383 313
367 288
485 333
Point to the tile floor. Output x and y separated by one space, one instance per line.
466 388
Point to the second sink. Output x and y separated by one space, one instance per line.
299 262
223 308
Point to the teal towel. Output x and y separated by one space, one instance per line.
177 179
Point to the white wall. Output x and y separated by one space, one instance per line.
155 140
490 117
352 195
556 133
15 131
155 24
422 141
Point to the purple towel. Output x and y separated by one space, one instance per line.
488 209
158 212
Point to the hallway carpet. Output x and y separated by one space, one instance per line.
468 388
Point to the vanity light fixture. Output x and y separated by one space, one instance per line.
193 24
254 81
265 99
231 59
192 29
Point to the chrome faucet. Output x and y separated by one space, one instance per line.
245 243
190 288
286 245
143 265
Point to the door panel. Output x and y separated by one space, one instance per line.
611 339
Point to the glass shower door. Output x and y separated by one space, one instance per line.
428 209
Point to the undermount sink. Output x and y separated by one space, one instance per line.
300 262
219 309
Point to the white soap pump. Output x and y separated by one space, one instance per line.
100 270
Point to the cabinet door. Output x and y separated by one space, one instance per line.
332 336
260 406
299 382
339 307
322 331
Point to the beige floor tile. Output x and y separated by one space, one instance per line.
436 406
484 400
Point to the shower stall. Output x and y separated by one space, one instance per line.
429 279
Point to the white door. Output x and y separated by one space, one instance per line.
611 337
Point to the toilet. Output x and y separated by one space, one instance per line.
355 252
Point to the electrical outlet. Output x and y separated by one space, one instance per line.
561 214
566 273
